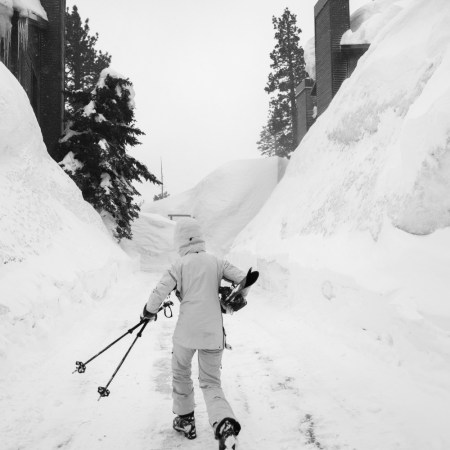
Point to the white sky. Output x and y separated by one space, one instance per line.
199 68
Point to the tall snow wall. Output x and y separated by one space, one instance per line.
367 191
223 202
54 248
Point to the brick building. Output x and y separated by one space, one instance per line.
334 62
33 50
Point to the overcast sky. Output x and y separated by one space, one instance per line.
199 68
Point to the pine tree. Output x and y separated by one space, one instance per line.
267 144
280 135
83 63
95 147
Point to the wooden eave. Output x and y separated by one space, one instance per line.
354 48
307 83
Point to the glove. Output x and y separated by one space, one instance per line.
146 315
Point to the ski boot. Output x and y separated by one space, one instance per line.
226 432
185 424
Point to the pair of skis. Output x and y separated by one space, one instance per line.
233 299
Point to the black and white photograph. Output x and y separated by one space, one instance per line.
224 224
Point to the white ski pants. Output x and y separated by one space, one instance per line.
209 363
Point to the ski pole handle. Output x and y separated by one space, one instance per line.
166 306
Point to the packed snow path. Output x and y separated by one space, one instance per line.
50 408
292 387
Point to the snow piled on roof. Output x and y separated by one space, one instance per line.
54 248
6 7
26 6
6 12
224 202
367 21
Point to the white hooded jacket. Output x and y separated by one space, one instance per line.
196 275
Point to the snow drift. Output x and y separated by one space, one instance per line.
54 247
378 158
152 244
359 254
223 202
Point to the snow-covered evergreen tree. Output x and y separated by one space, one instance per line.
95 146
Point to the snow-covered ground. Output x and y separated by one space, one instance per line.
345 341
296 380
48 407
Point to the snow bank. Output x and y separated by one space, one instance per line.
54 248
152 242
360 252
224 202
379 154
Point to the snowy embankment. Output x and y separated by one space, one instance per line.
371 177
358 255
54 248
224 202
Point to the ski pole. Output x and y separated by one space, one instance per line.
80 366
104 391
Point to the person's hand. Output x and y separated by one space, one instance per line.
147 315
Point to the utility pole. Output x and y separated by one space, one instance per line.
162 180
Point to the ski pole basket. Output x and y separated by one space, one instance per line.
80 366
104 391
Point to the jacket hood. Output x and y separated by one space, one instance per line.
189 237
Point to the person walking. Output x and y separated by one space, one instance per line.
196 277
